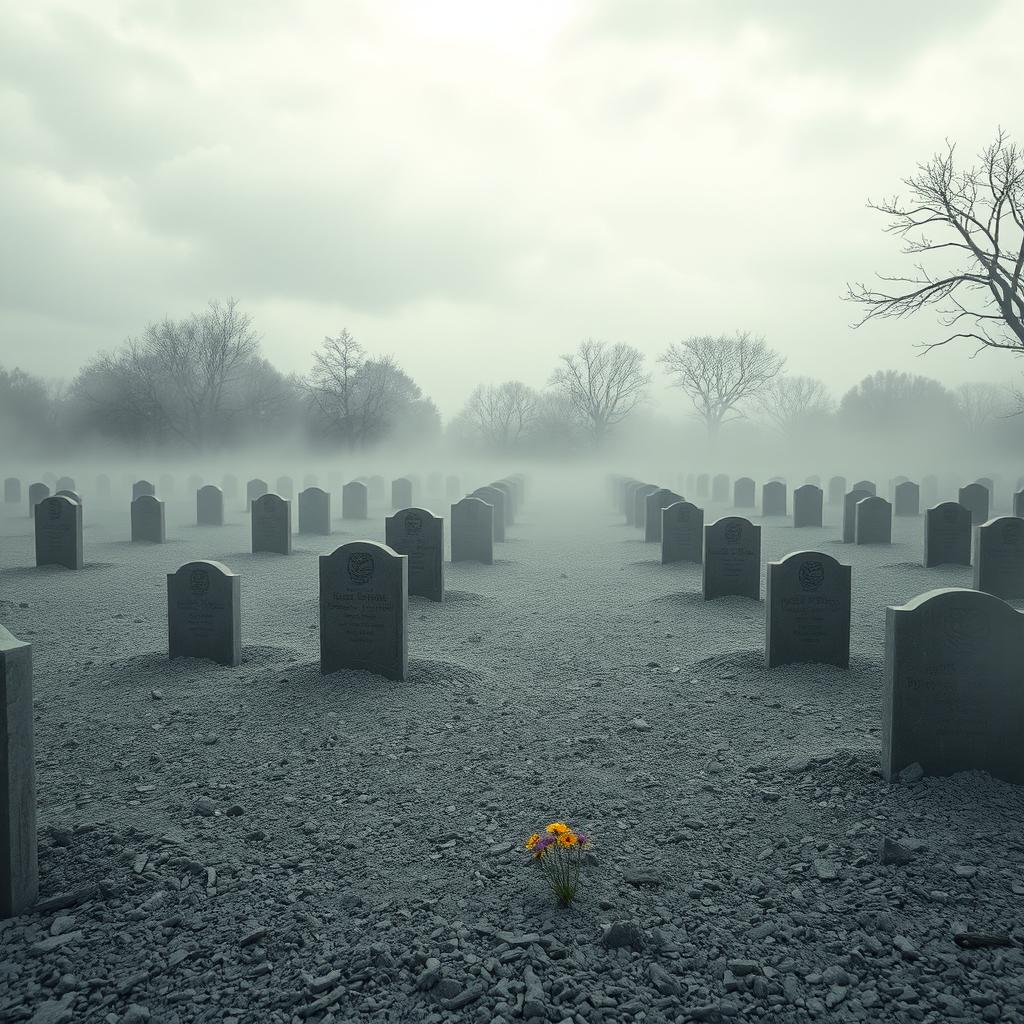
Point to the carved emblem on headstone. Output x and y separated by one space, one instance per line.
733 532
811 575
360 566
199 581
413 522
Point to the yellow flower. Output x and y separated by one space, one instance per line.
557 828
533 841
567 839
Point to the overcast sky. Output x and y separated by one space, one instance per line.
475 186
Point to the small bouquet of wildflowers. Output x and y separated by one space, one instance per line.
560 851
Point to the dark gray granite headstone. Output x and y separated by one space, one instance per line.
496 499
907 497
419 535
472 527
364 605
12 490
58 523
872 522
401 493
720 488
807 505
836 490
744 493
354 500
36 493
204 613
148 520
947 535
315 511
209 506
141 488
254 489
732 559
975 498
272 524
953 699
850 513
682 533
807 616
999 560
773 499
656 502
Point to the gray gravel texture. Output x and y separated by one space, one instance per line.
264 844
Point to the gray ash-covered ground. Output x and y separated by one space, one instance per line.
266 844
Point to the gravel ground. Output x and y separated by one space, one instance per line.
264 844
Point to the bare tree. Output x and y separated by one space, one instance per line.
604 383
796 403
974 220
721 373
981 403
501 414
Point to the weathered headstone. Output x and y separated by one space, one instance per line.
975 498
999 560
865 485
204 613
947 535
807 505
12 490
401 493
807 615
142 487
58 523
907 497
872 522
419 535
953 697
656 502
64 483
209 506
19 865
254 489
364 601
682 533
849 513
36 493
773 499
743 492
495 498
148 520
472 522
272 524
720 488
315 511
353 500
732 559
836 490
285 487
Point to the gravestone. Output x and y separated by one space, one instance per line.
19 864
732 559
419 535
73 495
872 521
315 511
103 489
142 487
682 533
974 497
849 513
720 488
807 505
12 490
510 500
148 520
836 490
630 500
947 535
204 613
908 498
496 499
354 500
165 485
929 490
209 506
272 524
473 531
953 697
999 560
640 504
36 493
773 499
401 493
703 483
990 485
452 487
1018 504
285 487
254 489
656 502
64 483
807 618
58 523
743 492
364 601
229 485
865 485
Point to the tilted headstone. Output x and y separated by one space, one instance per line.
401 493
807 615
732 559
682 533
148 520
364 601
19 864
947 535
773 499
204 613
703 485
36 493
836 490
272 524
315 511
744 493
929 490
849 513
254 489
285 487
103 488
12 490
640 504
495 498
141 488
999 560
64 483
907 499
974 497
720 488
452 487
472 522
953 697
419 535
58 523
656 502
872 523
354 500
865 485
1018 504
209 506
807 505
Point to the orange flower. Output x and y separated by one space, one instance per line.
557 828
533 841
568 839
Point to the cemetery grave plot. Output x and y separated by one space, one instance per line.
215 836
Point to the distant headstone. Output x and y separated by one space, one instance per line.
510 500
315 511
103 489
640 504
401 493
682 533
865 485
975 498
953 697
703 483
807 610
148 520
204 613
907 498
364 600
285 487
19 865
807 505
229 485
353 500
58 523
254 489
732 559
947 535
999 559
419 535
836 490
629 498
743 493
720 488
272 524
452 487
36 493
929 490
872 523
656 502
209 506
495 498
472 522
142 487
849 513
773 499
64 483
12 490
